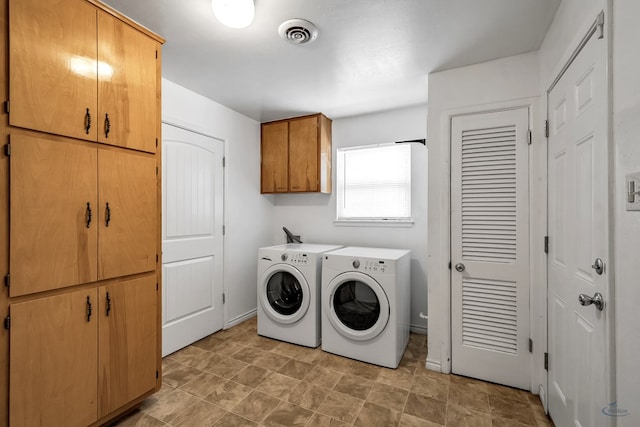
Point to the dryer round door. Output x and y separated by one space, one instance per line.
285 294
356 306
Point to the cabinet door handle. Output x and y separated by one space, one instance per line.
89 308
107 215
88 216
87 121
107 125
108 304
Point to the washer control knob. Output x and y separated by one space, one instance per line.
356 264
284 257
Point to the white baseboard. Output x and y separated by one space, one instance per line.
418 329
433 365
239 319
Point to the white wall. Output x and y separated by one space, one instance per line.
312 215
626 139
248 215
507 82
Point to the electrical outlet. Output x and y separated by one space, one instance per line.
632 190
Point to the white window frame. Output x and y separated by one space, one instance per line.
376 221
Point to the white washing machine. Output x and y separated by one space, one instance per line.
289 292
365 304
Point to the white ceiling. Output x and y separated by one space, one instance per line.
370 55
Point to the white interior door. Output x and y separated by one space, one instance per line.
192 242
579 372
490 247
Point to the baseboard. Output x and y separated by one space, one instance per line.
239 319
434 365
418 329
543 399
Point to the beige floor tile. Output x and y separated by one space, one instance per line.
399 377
512 409
228 394
251 376
433 387
469 398
341 407
469 383
247 354
256 406
410 421
364 370
335 362
296 369
278 385
288 415
271 361
508 393
233 420
321 420
180 375
202 384
263 343
202 414
323 377
189 355
308 395
354 386
426 408
138 419
388 396
372 415
171 405
460 416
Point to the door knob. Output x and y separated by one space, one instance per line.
596 300
598 266
460 267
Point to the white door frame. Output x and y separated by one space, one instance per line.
537 230
588 30
171 121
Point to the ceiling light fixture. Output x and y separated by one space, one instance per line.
234 13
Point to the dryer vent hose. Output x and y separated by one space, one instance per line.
290 237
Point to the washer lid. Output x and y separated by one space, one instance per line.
284 293
356 305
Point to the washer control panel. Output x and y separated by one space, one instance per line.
370 266
295 258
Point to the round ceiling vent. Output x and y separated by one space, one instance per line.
298 31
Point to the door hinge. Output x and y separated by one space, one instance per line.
157 374
529 136
157 258
7 322
546 128
546 244
7 280
224 230
546 361
156 142
449 265
224 298
6 107
157 286
7 149
530 345
224 162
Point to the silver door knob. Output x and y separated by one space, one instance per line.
596 300
460 267
598 266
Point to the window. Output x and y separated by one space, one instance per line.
374 183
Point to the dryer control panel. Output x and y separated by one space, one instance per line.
375 266
295 258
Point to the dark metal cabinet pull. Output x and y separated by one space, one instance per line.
88 215
108 304
108 215
107 125
89 309
87 121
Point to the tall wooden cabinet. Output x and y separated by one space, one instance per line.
296 155
80 213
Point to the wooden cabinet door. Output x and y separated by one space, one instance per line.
127 86
52 66
127 213
127 342
275 158
53 214
53 356
303 154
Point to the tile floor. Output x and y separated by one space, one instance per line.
238 378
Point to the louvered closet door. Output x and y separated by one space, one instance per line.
490 240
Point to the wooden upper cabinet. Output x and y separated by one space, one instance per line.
127 85
52 61
126 342
127 216
296 155
78 71
54 361
53 233
275 157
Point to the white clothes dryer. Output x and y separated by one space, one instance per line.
289 292
365 304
